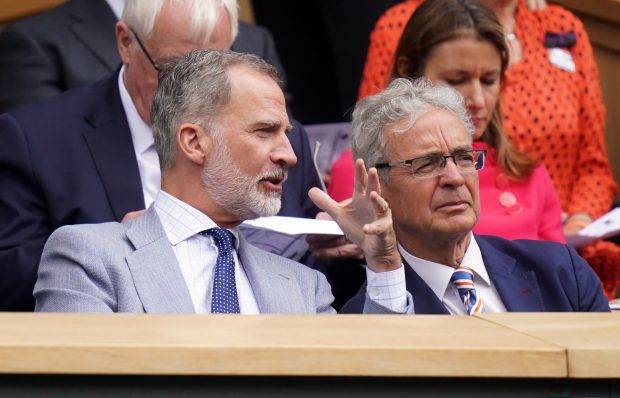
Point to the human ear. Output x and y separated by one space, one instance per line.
123 41
194 142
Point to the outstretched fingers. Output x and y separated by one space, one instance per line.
383 216
380 245
372 181
324 202
361 178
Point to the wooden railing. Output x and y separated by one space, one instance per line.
556 353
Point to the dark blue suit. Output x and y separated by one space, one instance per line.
530 276
73 44
70 160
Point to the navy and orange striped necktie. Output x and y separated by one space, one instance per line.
463 280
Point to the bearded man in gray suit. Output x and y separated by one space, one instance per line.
220 127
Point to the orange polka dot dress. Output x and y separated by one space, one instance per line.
550 113
557 116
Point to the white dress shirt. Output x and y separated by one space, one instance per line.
437 277
143 145
197 253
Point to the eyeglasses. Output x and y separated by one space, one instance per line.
156 66
433 165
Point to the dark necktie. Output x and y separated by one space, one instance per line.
224 299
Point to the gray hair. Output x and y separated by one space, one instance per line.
140 15
403 102
193 89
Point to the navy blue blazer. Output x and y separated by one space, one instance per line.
70 160
67 46
530 276
74 44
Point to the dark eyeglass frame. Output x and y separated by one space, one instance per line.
155 65
478 156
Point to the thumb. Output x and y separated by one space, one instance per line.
323 201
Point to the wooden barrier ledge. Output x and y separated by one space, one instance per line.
592 340
267 345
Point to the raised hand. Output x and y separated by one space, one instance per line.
366 220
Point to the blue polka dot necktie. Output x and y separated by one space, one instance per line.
224 299
463 280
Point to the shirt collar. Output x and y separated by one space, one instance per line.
182 221
141 133
437 276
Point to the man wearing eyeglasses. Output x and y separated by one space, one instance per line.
419 138
88 155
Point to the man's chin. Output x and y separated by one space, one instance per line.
459 224
266 208
462 228
271 209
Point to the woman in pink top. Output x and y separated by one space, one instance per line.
461 44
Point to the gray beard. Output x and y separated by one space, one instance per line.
237 192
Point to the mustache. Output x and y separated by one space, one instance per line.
281 174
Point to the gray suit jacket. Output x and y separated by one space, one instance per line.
130 267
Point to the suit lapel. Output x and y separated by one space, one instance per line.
516 284
108 138
93 24
274 288
154 267
425 300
